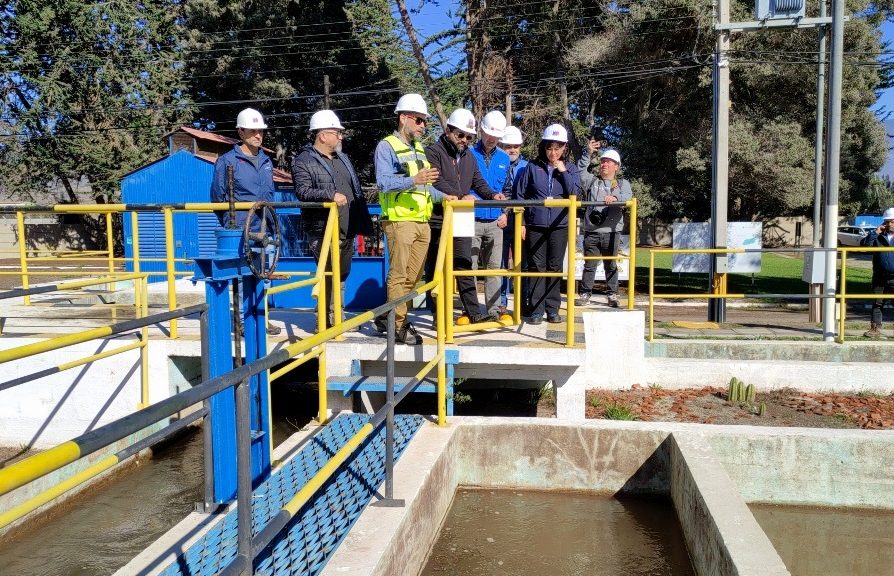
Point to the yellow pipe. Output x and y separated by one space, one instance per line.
16 512
631 261
842 302
135 229
706 296
23 254
442 348
482 326
291 286
336 271
169 256
98 356
517 295
20 352
449 280
423 372
651 295
314 484
295 363
698 250
144 349
572 255
20 473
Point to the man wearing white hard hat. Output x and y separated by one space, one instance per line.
882 269
549 176
404 178
511 143
322 172
252 172
487 246
602 224
459 178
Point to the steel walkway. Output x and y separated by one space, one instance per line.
311 538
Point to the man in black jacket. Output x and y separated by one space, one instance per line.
458 175
323 173
882 269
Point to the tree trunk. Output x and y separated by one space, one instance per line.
423 65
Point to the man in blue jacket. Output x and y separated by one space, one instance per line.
882 269
323 173
252 173
487 246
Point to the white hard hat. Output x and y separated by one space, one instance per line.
494 124
511 136
462 119
611 155
555 133
888 214
325 119
411 103
250 118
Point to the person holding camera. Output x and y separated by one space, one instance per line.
882 269
404 177
545 231
603 224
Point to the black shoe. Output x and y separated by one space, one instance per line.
381 324
535 320
554 319
613 300
273 330
479 318
407 334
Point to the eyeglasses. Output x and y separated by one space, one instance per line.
417 119
460 135
338 133
509 146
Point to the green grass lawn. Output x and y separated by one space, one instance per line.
780 274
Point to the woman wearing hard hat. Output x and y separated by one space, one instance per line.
548 176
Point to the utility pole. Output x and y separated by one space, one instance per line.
326 91
720 164
833 157
815 304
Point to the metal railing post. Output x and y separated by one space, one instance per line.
169 265
23 254
337 312
631 261
110 246
572 268
651 295
207 505
243 475
517 296
842 295
448 276
389 399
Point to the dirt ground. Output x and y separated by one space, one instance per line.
709 405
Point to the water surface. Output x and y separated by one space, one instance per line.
492 532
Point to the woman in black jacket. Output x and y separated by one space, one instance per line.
548 176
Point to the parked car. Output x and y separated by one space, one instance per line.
851 235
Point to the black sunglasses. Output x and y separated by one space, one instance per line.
419 121
460 135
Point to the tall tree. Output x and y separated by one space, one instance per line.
88 90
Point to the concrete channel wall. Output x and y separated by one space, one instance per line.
710 489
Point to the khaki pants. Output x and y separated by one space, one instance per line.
407 247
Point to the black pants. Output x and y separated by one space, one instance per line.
462 260
883 285
545 251
346 254
600 244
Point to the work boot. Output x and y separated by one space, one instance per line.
407 334
583 299
612 300
381 324
875 331
479 318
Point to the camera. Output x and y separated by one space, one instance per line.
596 216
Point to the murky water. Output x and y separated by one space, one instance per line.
103 529
830 541
492 532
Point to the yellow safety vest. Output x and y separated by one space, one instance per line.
413 204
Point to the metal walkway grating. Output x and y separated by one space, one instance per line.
310 539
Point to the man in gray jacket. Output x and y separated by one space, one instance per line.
602 225
323 173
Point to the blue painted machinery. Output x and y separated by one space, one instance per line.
230 271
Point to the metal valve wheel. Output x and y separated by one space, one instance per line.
262 245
